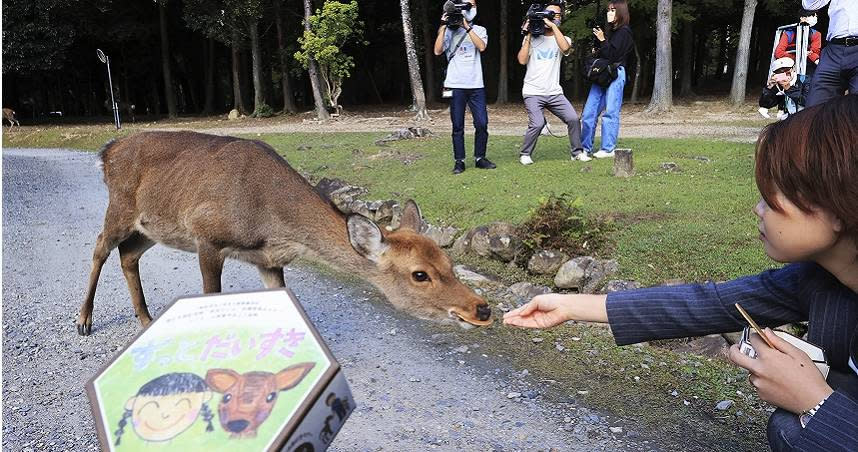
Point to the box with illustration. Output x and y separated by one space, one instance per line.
242 371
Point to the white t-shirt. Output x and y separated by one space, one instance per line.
465 69
543 67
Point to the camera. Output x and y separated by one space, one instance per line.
536 15
454 10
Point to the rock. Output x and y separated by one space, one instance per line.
526 290
479 241
616 430
513 395
670 167
702 159
360 207
596 274
385 212
619 285
724 405
405 134
233 115
414 380
546 262
344 196
327 186
537 340
571 274
674 393
463 243
711 345
472 278
462 349
443 236
496 241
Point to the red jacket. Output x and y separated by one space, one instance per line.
786 48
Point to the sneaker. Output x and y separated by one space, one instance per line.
526 160
582 156
546 130
764 112
604 154
459 167
485 163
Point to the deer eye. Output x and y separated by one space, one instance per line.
420 276
271 397
227 398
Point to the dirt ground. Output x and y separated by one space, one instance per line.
698 119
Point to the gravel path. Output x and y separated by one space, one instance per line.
418 386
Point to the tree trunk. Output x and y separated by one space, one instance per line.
740 69
413 65
636 87
208 108
165 61
662 91
428 54
237 96
258 94
288 96
503 81
321 110
687 59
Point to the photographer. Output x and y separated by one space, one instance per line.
542 90
613 49
784 90
462 43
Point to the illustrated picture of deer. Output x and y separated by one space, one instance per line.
225 197
10 117
248 398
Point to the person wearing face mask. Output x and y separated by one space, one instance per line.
786 47
784 90
615 48
462 47
542 90
838 63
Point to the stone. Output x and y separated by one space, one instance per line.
528 290
344 196
624 165
670 167
597 272
233 115
513 395
711 345
360 207
385 211
473 278
616 430
571 274
463 243
327 186
443 236
546 262
496 241
619 285
724 405
479 242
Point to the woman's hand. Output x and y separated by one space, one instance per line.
784 376
600 35
543 311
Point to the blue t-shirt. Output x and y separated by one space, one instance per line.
465 69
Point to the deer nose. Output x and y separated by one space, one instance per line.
484 312
237 426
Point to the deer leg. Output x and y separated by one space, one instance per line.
130 251
105 243
211 266
272 277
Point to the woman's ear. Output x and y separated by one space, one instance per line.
129 405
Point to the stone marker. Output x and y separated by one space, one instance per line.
624 165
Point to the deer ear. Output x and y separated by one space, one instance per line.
289 377
366 238
221 379
412 218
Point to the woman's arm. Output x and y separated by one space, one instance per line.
618 46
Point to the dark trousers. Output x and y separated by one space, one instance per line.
784 427
476 100
837 71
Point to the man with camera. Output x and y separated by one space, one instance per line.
462 44
542 49
784 90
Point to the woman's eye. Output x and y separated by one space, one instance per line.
227 398
420 276
186 402
271 397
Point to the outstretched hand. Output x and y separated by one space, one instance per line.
543 311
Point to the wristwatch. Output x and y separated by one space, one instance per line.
468 30
805 416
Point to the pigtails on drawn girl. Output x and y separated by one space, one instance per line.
167 406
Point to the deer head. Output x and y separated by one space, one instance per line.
249 398
414 273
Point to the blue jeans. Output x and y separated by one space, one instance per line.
476 100
837 72
609 100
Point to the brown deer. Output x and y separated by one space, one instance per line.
9 115
248 398
225 197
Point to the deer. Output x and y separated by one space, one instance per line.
9 115
248 398
224 197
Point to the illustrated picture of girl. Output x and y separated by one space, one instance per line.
167 406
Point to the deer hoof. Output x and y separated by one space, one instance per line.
84 329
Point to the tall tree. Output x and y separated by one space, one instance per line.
740 70
260 108
413 65
237 92
428 55
662 91
687 59
313 70
169 94
288 96
503 80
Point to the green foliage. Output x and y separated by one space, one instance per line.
332 28
263 110
223 20
559 223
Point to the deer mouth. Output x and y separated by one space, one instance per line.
466 321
